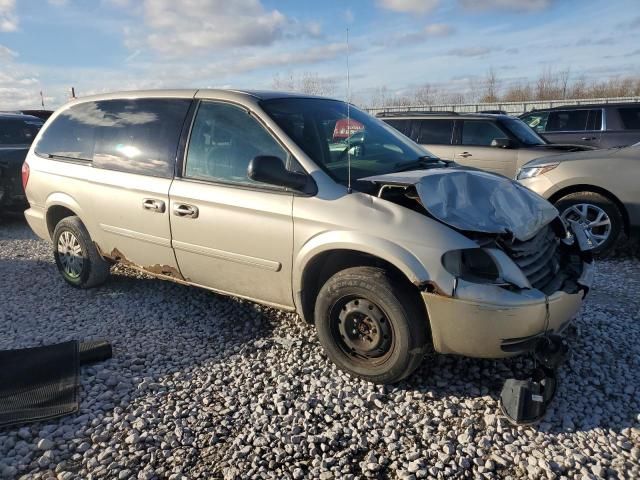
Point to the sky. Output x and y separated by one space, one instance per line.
106 45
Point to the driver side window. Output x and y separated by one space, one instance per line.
224 139
479 132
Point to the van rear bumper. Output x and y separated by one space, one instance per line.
36 219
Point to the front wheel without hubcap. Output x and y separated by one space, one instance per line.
362 330
371 326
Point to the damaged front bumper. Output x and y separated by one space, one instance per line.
489 321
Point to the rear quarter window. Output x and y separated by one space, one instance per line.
134 136
630 117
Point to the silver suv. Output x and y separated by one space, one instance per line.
493 142
389 251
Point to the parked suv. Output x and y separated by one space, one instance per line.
599 188
599 125
16 134
496 143
242 193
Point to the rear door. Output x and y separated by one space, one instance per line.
474 148
574 126
121 156
230 233
436 135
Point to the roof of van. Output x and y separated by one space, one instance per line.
189 93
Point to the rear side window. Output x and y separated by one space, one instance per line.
594 121
16 131
134 136
403 126
478 132
630 118
436 132
567 121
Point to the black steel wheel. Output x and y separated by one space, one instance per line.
371 325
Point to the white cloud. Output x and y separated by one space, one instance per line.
438 30
469 51
8 17
178 28
514 5
7 53
409 6
414 38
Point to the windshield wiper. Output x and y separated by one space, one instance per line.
420 162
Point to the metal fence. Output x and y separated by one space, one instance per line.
512 108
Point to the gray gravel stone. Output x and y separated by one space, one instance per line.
203 386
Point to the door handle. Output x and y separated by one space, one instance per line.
465 154
184 210
154 205
588 138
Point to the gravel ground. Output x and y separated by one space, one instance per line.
203 386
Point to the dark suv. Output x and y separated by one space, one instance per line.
597 125
497 143
16 135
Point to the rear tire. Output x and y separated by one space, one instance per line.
77 258
370 326
587 207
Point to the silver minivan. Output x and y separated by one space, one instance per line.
387 249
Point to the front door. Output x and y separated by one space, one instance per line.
230 233
475 150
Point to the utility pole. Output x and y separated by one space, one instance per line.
73 93
42 99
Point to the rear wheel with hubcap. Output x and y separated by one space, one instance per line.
370 325
77 258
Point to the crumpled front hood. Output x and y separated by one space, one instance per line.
473 200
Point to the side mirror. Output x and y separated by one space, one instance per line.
502 143
271 170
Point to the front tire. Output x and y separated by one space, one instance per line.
600 215
370 326
77 258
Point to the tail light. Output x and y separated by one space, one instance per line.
25 175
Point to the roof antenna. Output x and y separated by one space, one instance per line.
349 189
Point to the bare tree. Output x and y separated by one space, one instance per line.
491 86
564 81
310 83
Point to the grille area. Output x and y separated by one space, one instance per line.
539 260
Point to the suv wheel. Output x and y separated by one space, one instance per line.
598 214
369 326
76 256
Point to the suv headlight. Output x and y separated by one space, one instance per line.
530 172
471 264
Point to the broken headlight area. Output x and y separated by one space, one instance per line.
472 264
550 261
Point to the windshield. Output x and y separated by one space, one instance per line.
523 132
16 131
317 126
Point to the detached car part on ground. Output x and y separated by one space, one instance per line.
390 252
599 190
